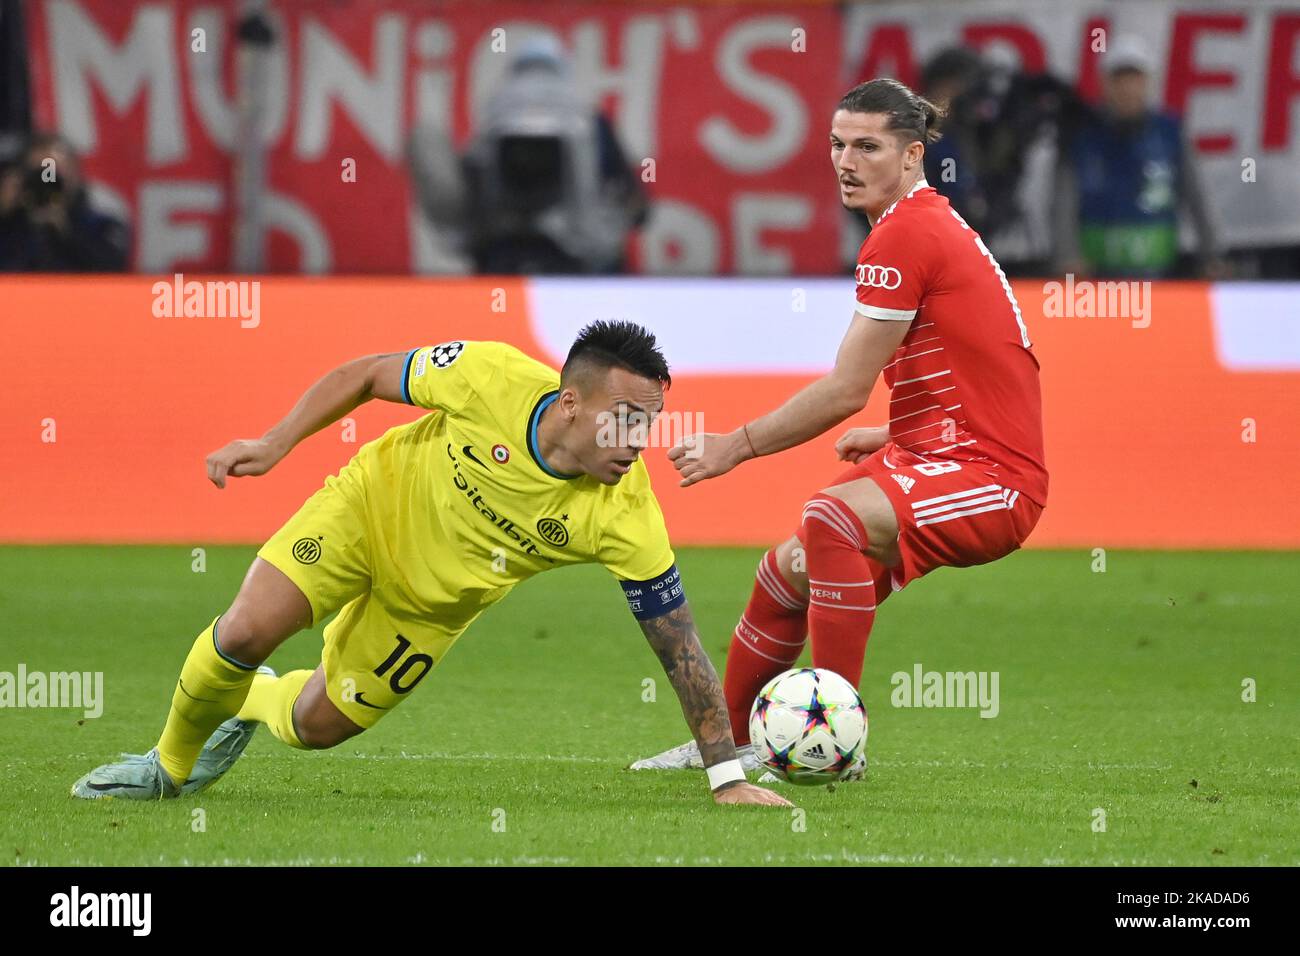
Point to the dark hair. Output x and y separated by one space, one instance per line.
909 113
606 344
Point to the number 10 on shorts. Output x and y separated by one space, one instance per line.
401 680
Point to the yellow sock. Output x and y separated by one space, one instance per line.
270 700
211 689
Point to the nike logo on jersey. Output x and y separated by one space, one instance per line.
365 703
471 456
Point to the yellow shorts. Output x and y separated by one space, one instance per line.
374 655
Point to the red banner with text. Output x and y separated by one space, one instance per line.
718 109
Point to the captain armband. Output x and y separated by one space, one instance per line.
650 599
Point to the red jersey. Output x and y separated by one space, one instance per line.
964 382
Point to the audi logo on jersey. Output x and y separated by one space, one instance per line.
879 277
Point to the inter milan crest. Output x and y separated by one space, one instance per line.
446 353
554 532
307 550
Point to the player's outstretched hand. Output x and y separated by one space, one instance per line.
707 455
750 794
857 443
254 456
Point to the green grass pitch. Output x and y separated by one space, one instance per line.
1119 691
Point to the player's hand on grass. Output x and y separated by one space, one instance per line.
857 443
707 455
748 793
254 456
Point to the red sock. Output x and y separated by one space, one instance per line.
842 592
768 640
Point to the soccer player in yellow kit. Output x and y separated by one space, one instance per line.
513 472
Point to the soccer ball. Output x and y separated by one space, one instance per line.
808 726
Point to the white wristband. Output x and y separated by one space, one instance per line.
724 773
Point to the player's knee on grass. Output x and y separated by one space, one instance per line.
317 722
268 610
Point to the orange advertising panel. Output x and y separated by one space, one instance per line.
1179 432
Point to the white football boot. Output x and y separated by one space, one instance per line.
687 757
134 777
223 748
142 777
858 769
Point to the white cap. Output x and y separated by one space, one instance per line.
1127 52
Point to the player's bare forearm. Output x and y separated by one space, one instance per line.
339 392
808 413
676 643
811 411
844 391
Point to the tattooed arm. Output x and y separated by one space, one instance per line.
676 642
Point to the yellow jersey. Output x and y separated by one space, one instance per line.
463 507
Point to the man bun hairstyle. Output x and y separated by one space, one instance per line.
606 344
910 114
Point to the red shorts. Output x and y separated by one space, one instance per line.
950 513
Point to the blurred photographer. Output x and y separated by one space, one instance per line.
952 80
1005 132
549 187
46 221
1129 179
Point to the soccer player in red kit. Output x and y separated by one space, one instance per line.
956 478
